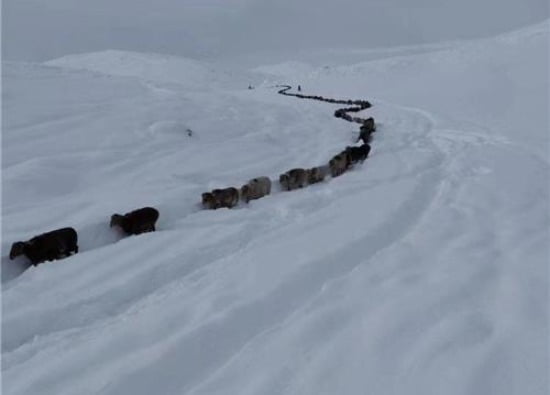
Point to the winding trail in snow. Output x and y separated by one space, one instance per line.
358 105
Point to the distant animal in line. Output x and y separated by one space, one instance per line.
293 179
209 201
218 198
138 221
228 197
365 131
48 246
339 164
256 189
340 113
358 154
317 174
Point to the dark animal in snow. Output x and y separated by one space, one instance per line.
340 113
208 201
47 246
339 164
367 128
138 221
293 179
256 189
317 174
358 154
228 197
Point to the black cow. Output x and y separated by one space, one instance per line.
138 221
358 154
47 246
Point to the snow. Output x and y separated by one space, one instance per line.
154 67
422 271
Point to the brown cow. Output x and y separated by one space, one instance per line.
208 201
228 197
365 131
339 164
317 174
256 189
293 179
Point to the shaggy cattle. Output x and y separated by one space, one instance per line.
209 201
47 246
365 136
317 174
339 113
352 109
365 131
358 154
364 104
137 221
339 164
255 189
347 117
369 124
293 179
228 197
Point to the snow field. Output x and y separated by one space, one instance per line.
422 271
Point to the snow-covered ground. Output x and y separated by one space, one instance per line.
422 271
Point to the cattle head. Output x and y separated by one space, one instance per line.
17 248
116 220
208 200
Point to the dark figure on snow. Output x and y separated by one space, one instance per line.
48 246
299 88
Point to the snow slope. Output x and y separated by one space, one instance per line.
155 67
422 271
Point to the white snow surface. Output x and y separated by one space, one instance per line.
155 67
422 271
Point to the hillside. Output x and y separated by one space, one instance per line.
422 271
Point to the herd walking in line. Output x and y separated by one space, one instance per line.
61 243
